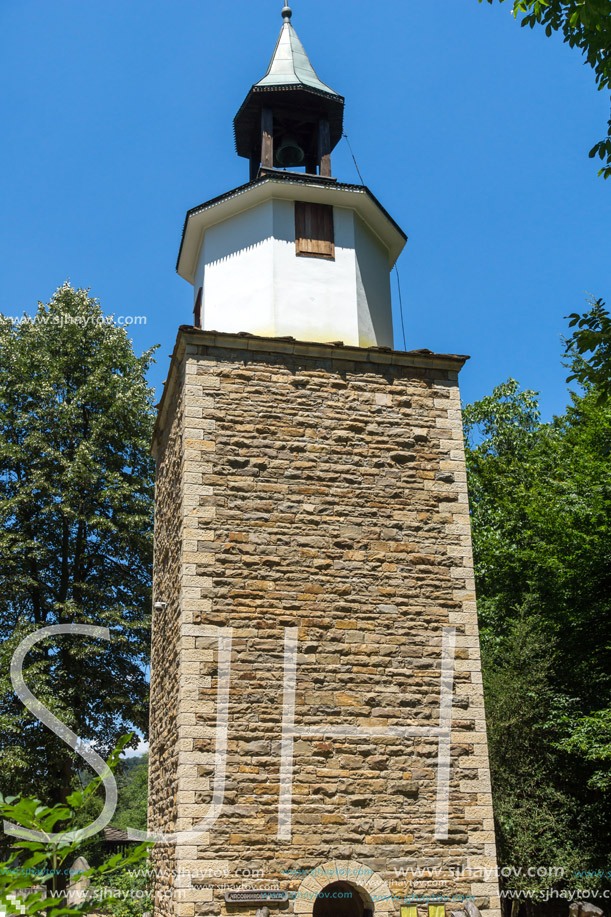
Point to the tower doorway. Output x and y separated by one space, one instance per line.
341 899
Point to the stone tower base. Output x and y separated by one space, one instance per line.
317 713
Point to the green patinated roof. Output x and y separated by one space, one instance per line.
290 65
291 88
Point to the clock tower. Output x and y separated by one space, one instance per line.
318 738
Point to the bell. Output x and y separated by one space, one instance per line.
289 153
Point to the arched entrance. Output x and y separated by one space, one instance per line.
363 892
341 899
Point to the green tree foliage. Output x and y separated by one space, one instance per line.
591 335
592 738
46 863
584 24
541 506
134 887
535 821
132 804
76 510
132 786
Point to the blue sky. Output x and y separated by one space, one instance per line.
474 133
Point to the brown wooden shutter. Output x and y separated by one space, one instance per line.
314 230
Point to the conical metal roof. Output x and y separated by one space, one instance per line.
290 65
291 88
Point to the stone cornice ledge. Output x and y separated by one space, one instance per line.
187 334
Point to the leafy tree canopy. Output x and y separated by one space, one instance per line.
584 24
591 335
541 509
76 511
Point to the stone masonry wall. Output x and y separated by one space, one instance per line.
322 489
165 646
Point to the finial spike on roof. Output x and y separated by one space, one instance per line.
287 12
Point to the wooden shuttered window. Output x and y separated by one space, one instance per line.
314 230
